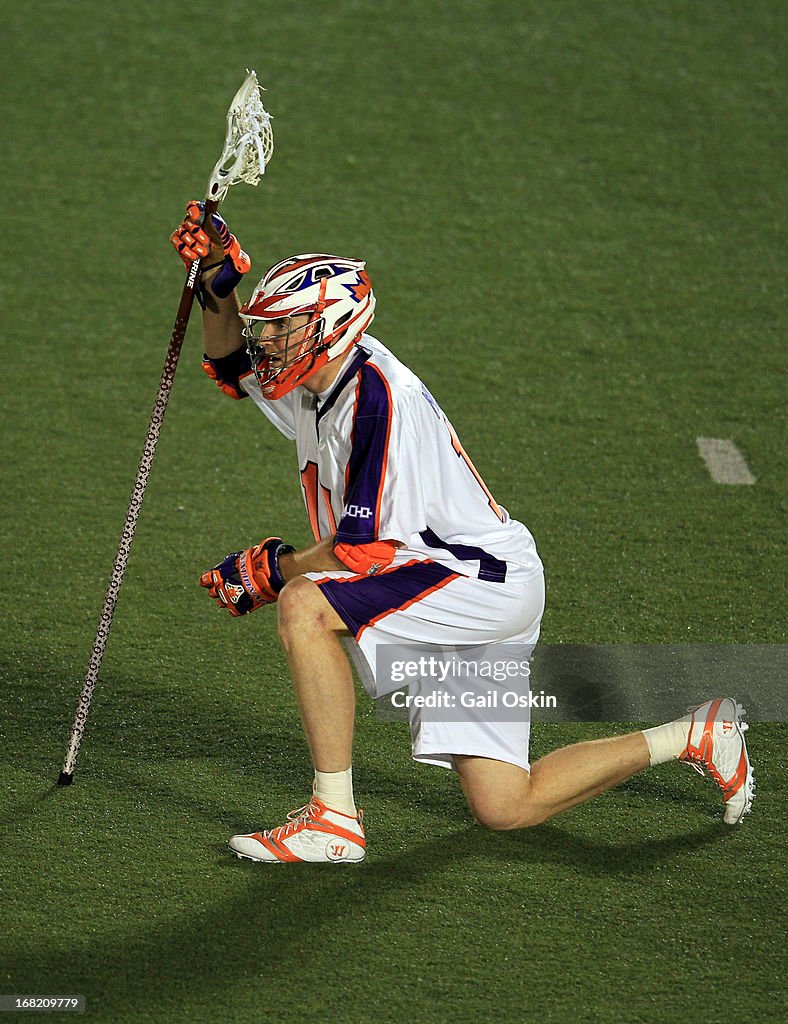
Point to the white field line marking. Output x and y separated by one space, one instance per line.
724 461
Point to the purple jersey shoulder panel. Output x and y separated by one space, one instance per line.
366 469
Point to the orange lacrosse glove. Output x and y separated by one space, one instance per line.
247 580
193 240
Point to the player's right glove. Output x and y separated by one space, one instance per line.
247 580
194 241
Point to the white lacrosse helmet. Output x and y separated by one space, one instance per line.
337 295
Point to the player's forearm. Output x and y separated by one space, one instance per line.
319 558
220 322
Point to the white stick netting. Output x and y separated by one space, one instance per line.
249 142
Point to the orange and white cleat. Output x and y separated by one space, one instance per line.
315 834
716 744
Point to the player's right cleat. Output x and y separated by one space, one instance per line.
716 744
314 833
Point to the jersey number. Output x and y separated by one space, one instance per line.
455 443
311 486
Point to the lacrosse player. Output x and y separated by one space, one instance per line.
410 547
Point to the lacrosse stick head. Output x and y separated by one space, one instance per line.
248 144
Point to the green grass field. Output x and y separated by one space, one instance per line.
572 216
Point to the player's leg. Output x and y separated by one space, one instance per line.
506 796
711 738
328 828
309 629
310 625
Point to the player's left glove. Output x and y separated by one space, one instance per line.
194 241
246 580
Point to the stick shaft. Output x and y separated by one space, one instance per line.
132 515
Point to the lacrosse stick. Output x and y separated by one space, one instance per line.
248 146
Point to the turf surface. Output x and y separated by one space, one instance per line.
571 214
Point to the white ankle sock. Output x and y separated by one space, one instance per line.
666 742
335 789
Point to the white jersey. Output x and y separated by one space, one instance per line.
379 460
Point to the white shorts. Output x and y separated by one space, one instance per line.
424 602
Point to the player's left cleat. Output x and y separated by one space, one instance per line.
716 744
314 833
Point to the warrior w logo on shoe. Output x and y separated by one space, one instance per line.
314 833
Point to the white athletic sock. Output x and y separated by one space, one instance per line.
666 742
335 789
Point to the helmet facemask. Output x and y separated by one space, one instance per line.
280 356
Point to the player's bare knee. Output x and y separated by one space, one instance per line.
506 815
301 608
293 606
494 819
